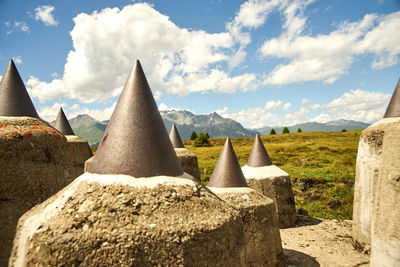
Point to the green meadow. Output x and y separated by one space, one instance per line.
321 166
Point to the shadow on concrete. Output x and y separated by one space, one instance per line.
304 221
297 258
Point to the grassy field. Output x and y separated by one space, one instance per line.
321 166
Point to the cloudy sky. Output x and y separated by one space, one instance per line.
272 62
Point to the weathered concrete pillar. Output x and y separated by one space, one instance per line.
369 158
78 149
32 156
272 182
385 226
187 159
135 206
260 226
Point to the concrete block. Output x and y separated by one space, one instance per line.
188 162
78 152
260 226
367 169
385 222
119 220
32 168
274 183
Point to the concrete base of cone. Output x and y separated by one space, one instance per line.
78 152
88 163
260 227
188 162
385 226
274 183
367 170
32 159
119 220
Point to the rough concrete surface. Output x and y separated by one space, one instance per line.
260 226
274 183
188 162
88 163
367 169
317 242
32 158
385 225
118 220
78 152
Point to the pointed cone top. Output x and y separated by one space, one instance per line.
227 172
175 137
135 141
62 124
393 109
14 99
258 156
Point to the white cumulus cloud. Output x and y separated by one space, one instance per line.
287 106
358 105
17 60
44 14
326 57
49 113
17 26
175 59
256 117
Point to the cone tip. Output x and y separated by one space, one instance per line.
135 141
227 172
258 156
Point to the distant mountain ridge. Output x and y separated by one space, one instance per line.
186 122
92 130
332 126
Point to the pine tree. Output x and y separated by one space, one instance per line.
207 135
201 140
285 130
272 131
299 130
193 136
343 130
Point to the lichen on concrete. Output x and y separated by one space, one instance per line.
32 159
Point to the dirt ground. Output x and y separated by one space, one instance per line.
317 242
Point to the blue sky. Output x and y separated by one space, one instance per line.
275 62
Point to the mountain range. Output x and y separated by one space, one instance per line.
332 126
92 130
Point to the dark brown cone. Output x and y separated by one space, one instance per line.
14 99
393 109
258 156
227 172
175 137
62 124
135 141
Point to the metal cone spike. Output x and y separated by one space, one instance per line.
227 172
393 109
135 141
62 124
258 156
175 137
14 99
